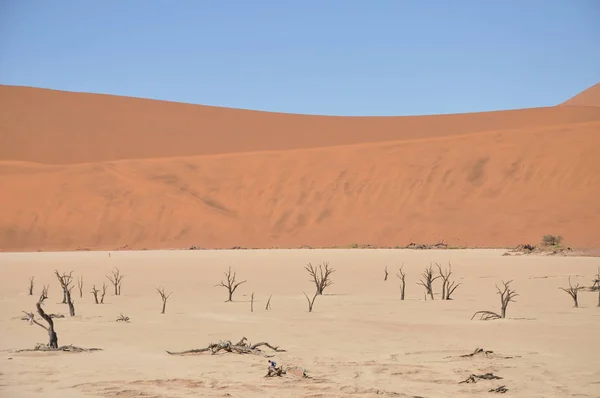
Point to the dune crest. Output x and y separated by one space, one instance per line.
101 172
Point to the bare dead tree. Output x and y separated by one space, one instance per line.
65 282
116 279
230 284
311 302
386 274
104 287
53 337
95 294
252 302
596 285
401 275
573 291
320 275
164 298
45 291
427 281
507 295
31 284
268 306
448 287
80 285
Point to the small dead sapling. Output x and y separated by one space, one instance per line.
164 297
65 282
320 276
448 287
386 274
116 279
31 285
80 285
311 302
268 306
252 302
573 291
427 281
230 284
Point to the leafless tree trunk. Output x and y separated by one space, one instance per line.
573 291
386 274
596 285
507 295
31 284
80 285
65 282
320 276
311 302
95 294
448 287
427 280
164 298
230 284
401 275
116 279
53 337
268 306
104 287
252 302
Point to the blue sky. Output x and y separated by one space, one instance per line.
346 57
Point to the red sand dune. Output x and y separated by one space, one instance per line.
101 172
589 97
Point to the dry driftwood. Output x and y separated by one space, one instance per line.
427 281
475 378
116 279
65 282
241 347
507 295
320 275
500 390
164 297
573 291
402 276
230 284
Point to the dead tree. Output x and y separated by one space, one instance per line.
95 294
65 282
80 285
252 302
311 302
116 279
53 337
427 281
241 347
573 291
320 276
31 284
164 298
596 285
448 287
104 287
230 284
386 274
507 295
45 291
401 275
268 306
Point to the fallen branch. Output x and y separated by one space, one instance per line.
123 318
64 348
486 315
478 351
475 378
241 347
500 390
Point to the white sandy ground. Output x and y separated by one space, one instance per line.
360 341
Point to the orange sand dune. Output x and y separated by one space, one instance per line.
488 179
589 97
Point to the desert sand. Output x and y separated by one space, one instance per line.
88 171
360 340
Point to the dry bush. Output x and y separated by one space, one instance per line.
230 284
551 240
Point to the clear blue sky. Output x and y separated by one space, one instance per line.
345 57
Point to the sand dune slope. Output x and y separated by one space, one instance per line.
589 97
484 189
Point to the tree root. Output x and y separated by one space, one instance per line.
500 390
486 315
475 378
64 348
241 347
